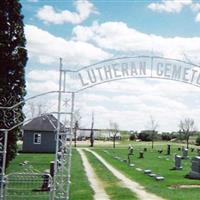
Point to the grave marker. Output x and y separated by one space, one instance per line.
185 153
195 171
141 155
168 149
177 162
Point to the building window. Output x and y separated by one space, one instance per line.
37 138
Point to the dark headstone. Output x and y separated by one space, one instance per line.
160 151
195 171
141 154
145 149
46 183
168 149
52 168
198 152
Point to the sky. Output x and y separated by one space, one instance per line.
84 32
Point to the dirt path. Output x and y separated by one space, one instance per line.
99 192
126 182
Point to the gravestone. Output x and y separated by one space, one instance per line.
160 151
145 149
141 154
130 153
178 162
198 152
195 171
152 175
52 168
147 171
185 153
139 169
159 178
168 149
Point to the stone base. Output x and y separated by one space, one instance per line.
194 175
185 158
176 168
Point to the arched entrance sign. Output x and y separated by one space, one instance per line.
134 67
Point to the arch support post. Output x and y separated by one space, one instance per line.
3 151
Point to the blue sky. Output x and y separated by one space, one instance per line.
135 13
85 31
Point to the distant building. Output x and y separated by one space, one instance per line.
39 135
99 134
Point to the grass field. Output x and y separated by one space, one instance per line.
110 182
159 164
80 188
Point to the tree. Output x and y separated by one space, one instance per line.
77 121
153 128
76 126
36 109
13 58
114 128
187 128
92 132
145 135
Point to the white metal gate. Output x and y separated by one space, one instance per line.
23 186
29 185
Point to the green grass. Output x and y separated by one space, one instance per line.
157 165
39 162
80 188
110 182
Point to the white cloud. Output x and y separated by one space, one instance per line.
47 48
175 6
166 101
84 9
33 1
198 17
195 7
42 75
119 37
170 6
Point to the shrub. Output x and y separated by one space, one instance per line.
167 136
145 135
132 137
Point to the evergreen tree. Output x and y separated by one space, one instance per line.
13 58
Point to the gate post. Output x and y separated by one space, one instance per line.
3 150
70 145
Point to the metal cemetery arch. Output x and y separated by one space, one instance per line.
75 81
134 67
